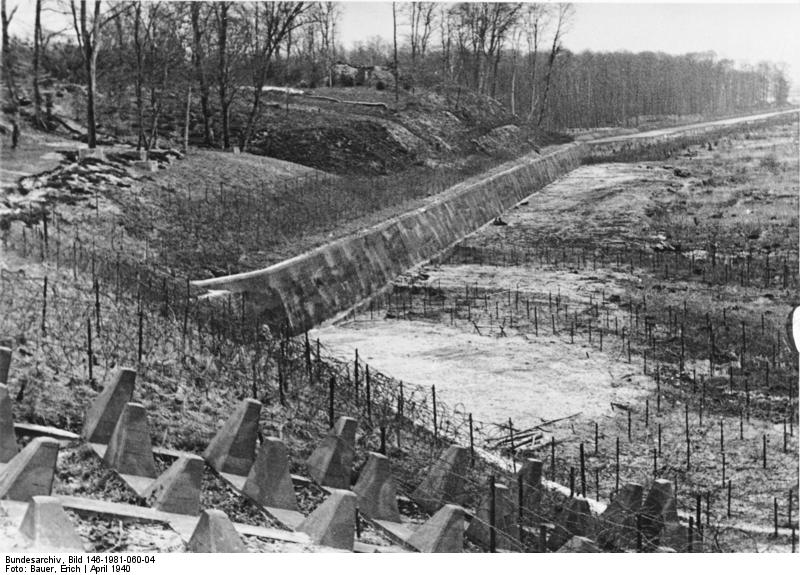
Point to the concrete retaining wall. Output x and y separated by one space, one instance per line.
316 286
308 289
678 134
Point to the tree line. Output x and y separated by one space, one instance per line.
208 63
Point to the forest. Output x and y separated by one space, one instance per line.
158 67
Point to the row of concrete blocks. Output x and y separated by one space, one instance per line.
268 483
114 419
47 527
615 528
232 451
28 474
441 493
575 527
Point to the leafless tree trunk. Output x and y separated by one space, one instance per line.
564 17
447 41
8 73
8 62
274 22
534 21
87 30
137 44
197 60
221 11
37 55
396 69
186 119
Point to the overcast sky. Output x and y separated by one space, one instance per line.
743 32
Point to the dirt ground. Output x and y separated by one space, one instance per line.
518 278
494 377
639 247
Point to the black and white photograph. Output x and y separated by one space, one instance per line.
397 277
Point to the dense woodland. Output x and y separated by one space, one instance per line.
142 64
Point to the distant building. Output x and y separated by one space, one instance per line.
346 75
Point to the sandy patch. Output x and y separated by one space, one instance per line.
525 378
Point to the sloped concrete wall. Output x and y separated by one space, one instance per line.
316 286
679 134
308 289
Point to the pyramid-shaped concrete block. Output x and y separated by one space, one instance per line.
269 482
575 519
215 533
31 471
442 533
376 491
104 412
5 363
675 536
579 544
130 451
531 476
618 521
8 439
346 428
47 525
177 490
445 481
506 525
331 463
658 508
233 449
332 524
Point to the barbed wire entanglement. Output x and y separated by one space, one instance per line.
196 357
721 426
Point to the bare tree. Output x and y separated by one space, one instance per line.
322 22
37 55
87 31
8 72
421 23
8 63
40 42
483 27
446 38
138 49
272 23
199 19
534 20
503 19
88 23
221 13
564 15
396 69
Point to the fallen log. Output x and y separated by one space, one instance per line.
350 102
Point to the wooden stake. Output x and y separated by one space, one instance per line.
596 437
90 355
583 473
471 443
492 517
775 513
331 393
729 497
